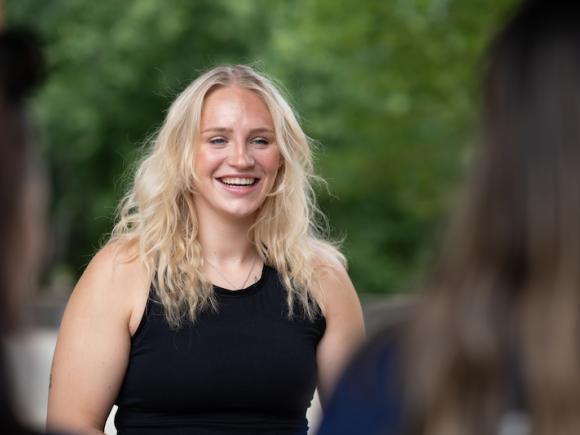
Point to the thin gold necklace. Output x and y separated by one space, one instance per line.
233 286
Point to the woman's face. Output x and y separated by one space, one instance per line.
237 155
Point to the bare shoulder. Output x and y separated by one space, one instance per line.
115 261
333 286
115 282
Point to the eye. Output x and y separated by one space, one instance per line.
260 141
218 140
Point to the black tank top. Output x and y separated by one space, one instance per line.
246 369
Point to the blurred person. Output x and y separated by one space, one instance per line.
493 346
21 70
216 306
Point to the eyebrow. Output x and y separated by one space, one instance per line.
229 130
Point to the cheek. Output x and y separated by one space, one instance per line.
271 161
205 162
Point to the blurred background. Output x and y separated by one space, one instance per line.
387 89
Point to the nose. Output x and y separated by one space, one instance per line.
240 156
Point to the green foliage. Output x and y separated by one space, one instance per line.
388 88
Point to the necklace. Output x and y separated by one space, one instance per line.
233 286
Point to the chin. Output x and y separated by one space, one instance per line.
244 213
240 212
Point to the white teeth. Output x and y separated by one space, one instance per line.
236 181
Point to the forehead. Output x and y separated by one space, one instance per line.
231 106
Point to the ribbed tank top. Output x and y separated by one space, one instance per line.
247 369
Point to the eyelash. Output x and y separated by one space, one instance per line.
260 141
257 141
217 141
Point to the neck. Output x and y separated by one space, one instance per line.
225 239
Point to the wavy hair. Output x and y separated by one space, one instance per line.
157 214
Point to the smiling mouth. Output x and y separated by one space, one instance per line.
238 181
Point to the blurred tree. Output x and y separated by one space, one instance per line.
387 87
115 67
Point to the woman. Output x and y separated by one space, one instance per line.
494 345
215 301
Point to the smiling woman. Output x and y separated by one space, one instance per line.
217 306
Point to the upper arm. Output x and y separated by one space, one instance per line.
344 326
93 345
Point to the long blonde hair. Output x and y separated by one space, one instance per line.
157 214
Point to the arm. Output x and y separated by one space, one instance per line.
344 326
94 341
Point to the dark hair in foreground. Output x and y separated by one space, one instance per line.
504 299
21 69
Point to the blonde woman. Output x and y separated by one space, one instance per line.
216 307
